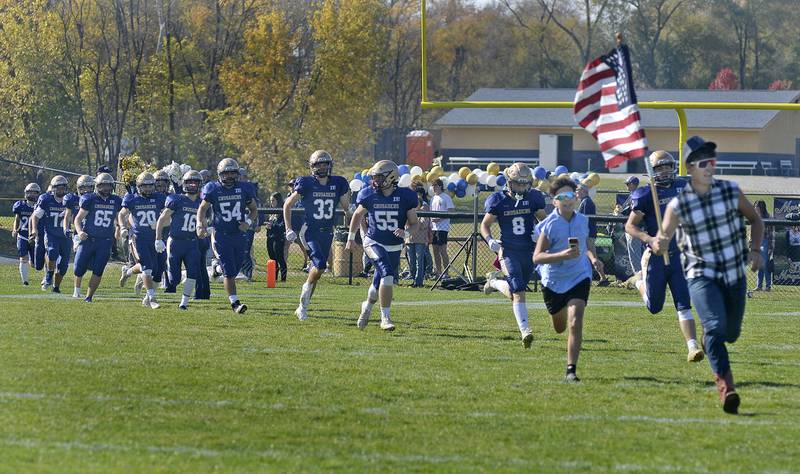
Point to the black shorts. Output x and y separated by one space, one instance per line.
439 237
555 302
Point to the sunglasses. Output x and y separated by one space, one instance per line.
565 195
705 163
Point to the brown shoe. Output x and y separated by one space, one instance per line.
727 393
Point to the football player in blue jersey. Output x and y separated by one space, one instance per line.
180 215
95 227
655 275
84 185
228 200
23 210
320 194
139 214
516 209
163 184
40 250
389 208
51 208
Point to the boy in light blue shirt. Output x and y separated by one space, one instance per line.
565 264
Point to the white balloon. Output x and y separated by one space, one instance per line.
575 176
415 171
454 177
593 193
477 171
483 178
405 181
492 181
356 185
471 190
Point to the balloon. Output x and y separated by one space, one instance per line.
367 179
463 172
563 175
575 176
357 176
437 171
471 190
432 176
461 184
501 180
453 177
595 178
560 169
472 178
415 171
356 185
492 181
483 177
493 168
461 192
405 181
451 186
540 173
403 169
477 171
364 172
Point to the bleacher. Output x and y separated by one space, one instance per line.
748 166
456 162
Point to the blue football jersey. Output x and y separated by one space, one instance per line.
229 205
73 201
101 214
387 213
642 201
184 216
320 200
53 215
144 213
24 210
517 219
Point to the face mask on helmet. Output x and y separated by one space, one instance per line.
229 178
31 196
84 189
146 189
664 175
519 188
60 190
104 189
162 185
378 180
191 186
321 170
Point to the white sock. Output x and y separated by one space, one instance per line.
305 294
23 270
500 285
128 271
385 313
685 315
233 298
151 293
184 300
188 289
521 313
691 344
76 292
372 295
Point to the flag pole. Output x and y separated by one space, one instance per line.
651 178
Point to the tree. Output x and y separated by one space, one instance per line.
726 80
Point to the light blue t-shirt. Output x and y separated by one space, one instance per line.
560 277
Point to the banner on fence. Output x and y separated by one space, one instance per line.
786 257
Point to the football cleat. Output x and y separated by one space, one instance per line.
301 313
488 288
527 340
137 287
153 303
363 318
183 308
25 283
238 307
45 286
56 289
571 377
695 355
124 276
76 293
386 324
87 300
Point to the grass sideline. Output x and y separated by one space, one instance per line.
113 387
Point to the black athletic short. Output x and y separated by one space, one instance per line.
556 301
439 237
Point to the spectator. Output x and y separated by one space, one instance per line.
588 208
276 235
767 249
417 243
440 226
298 219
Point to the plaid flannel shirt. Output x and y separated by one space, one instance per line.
712 235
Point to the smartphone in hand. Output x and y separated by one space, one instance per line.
573 242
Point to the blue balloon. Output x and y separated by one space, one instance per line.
367 179
560 169
403 169
539 173
451 186
501 180
357 176
461 184
461 192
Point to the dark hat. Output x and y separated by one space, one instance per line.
632 180
696 148
103 169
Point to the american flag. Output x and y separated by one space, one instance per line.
605 105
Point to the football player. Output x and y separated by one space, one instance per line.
94 227
320 193
51 208
23 209
180 215
84 185
389 208
163 185
516 209
139 215
655 275
228 200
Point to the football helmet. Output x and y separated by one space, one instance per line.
321 164
206 175
519 180
668 168
85 184
228 172
59 185
162 181
385 175
32 191
146 183
104 184
192 180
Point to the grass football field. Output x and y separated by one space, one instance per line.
114 387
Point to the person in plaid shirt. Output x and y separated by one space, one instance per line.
714 248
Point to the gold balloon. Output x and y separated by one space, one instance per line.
464 171
493 169
472 178
595 178
437 171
